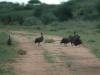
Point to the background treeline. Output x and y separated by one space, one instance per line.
36 13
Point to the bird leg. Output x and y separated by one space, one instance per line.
38 44
65 44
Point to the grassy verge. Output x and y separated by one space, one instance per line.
7 55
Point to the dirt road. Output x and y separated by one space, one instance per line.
52 58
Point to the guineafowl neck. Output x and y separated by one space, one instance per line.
42 36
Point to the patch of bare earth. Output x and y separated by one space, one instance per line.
67 60
33 63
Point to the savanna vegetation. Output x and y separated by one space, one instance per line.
7 55
81 16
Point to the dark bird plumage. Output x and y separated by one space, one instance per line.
64 41
71 39
77 42
75 39
9 41
39 39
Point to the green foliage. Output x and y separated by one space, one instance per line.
48 18
3 38
96 52
98 26
85 9
6 52
32 21
75 15
7 55
38 11
6 70
47 14
91 41
63 12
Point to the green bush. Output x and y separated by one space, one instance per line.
32 21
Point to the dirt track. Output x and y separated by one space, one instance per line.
81 60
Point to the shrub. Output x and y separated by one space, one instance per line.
32 21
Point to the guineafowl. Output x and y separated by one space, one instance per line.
77 42
64 41
71 39
76 39
9 41
76 35
39 39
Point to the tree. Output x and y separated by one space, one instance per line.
7 20
63 12
38 11
32 2
20 20
48 18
